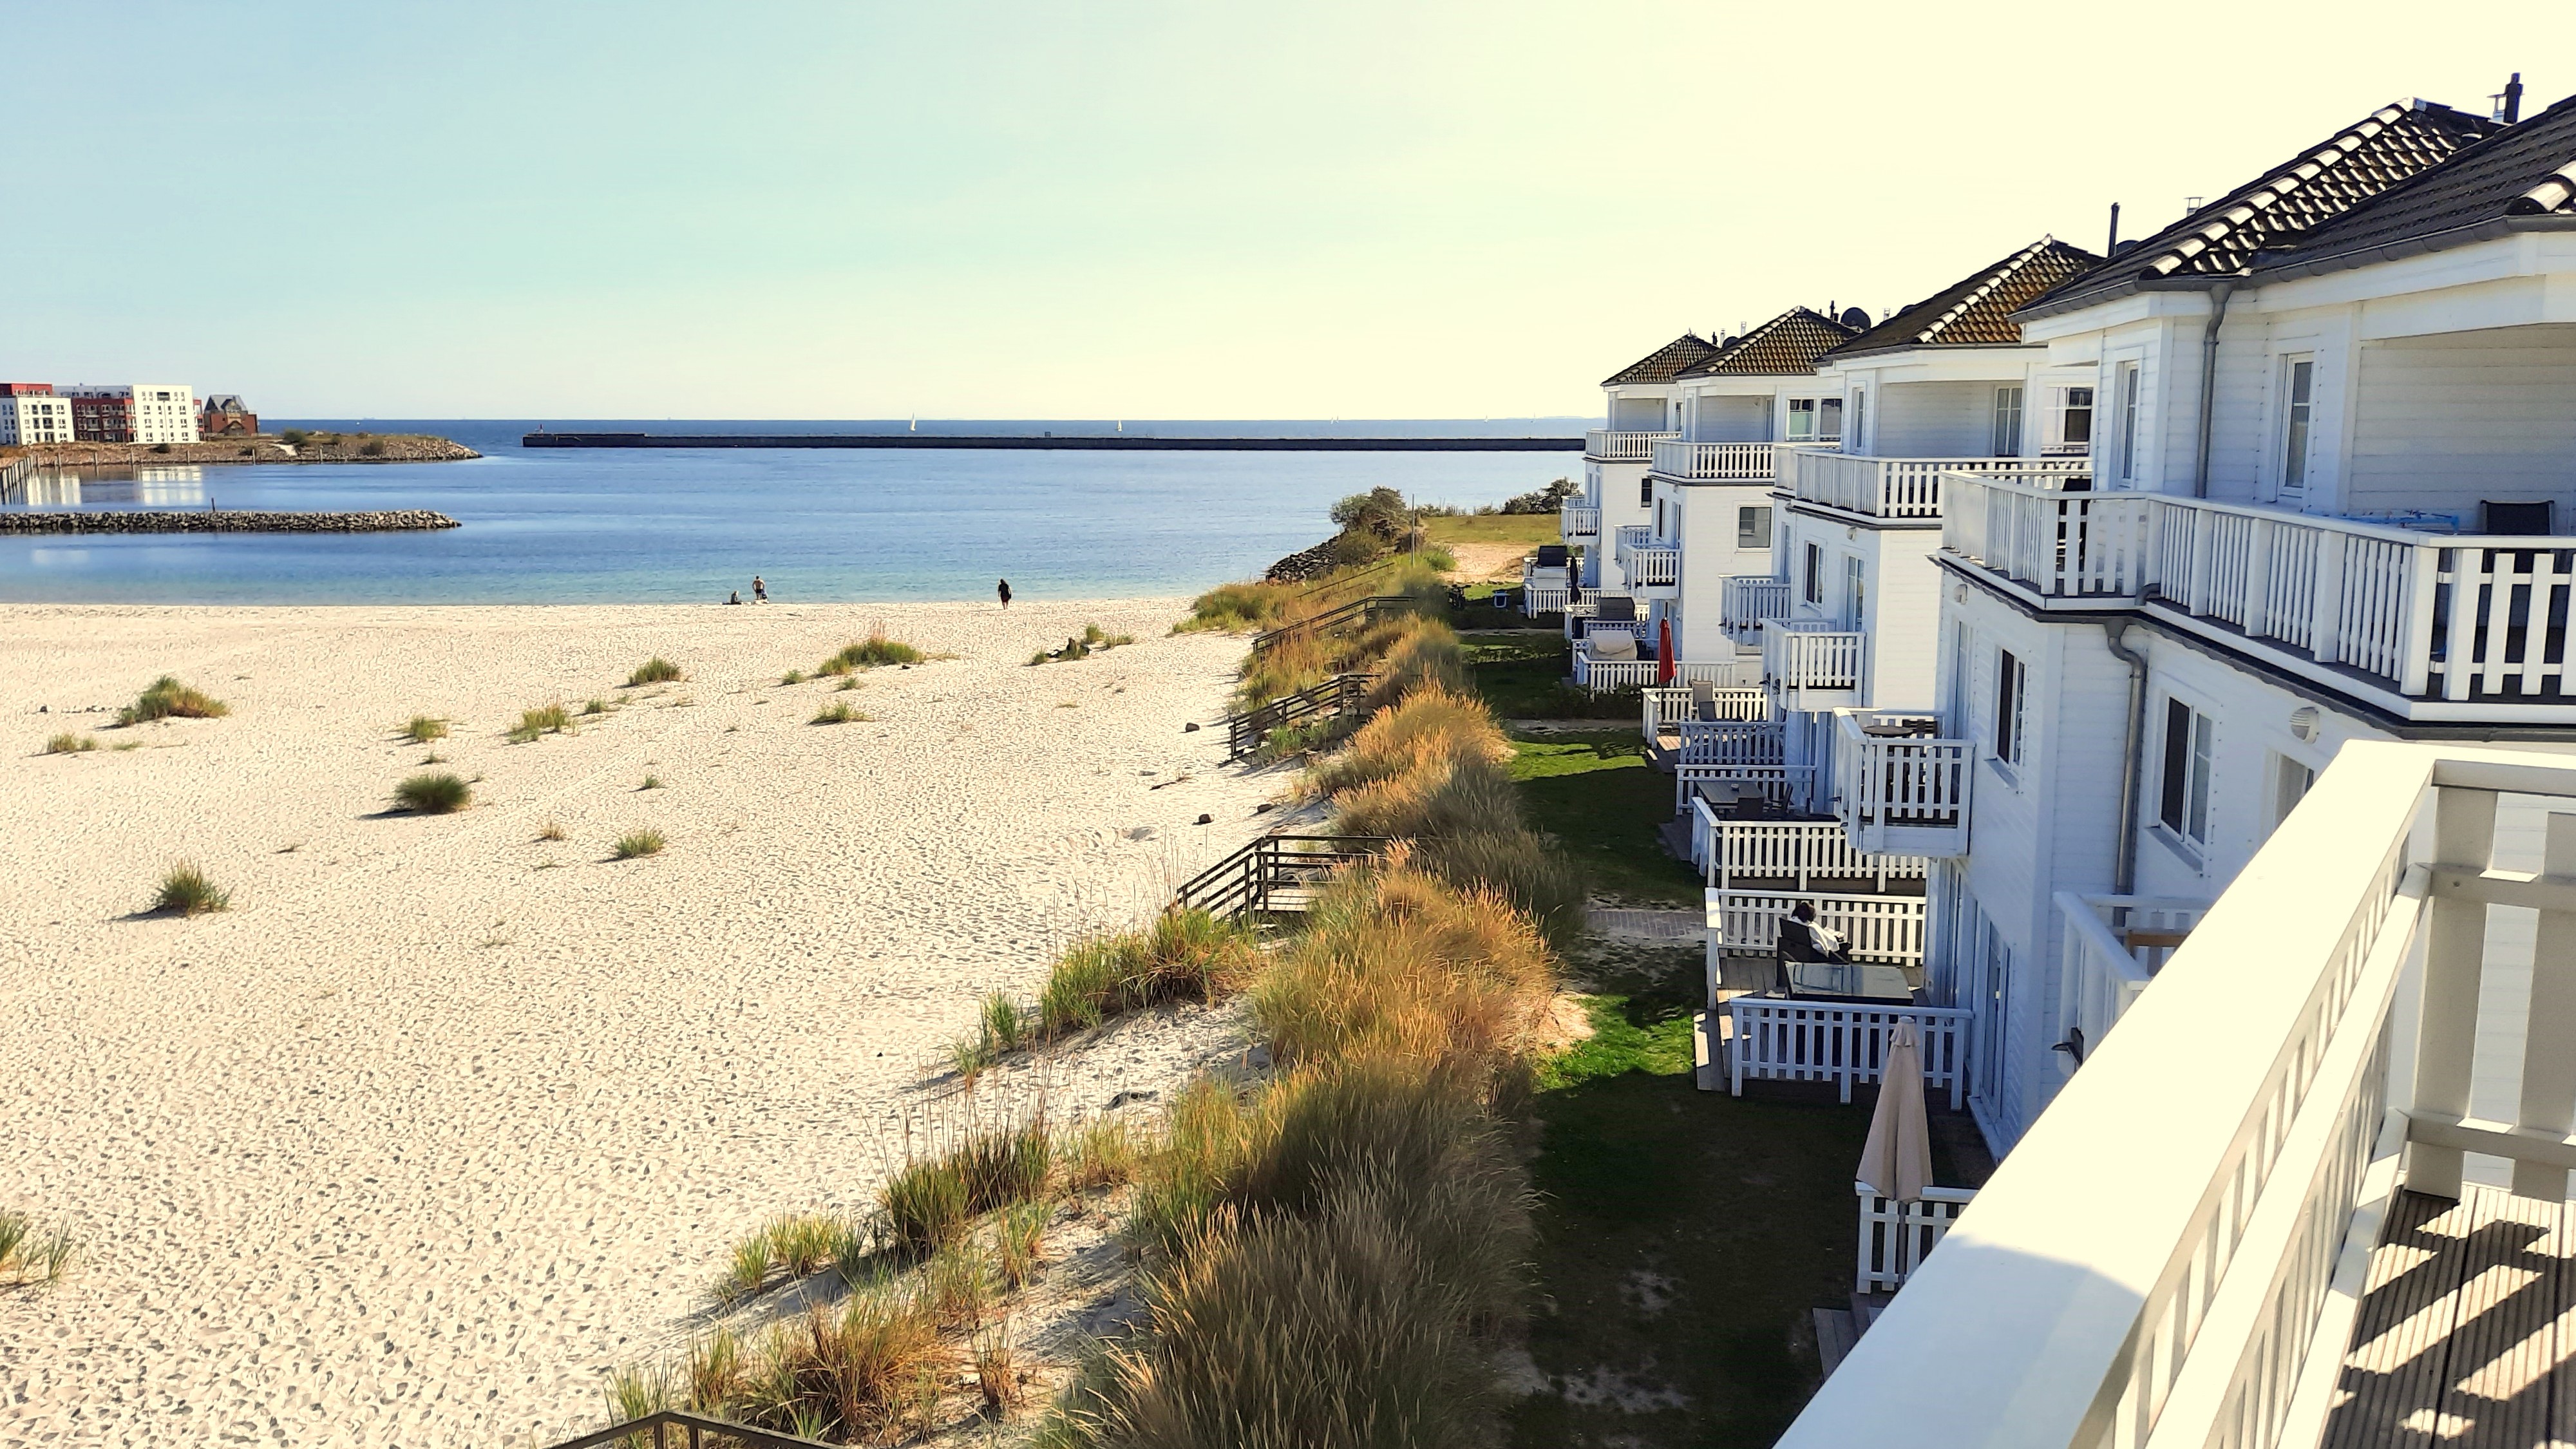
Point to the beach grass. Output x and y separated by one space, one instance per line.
1236 608
187 890
1103 1153
424 728
68 743
1019 1236
793 676
31 1255
1183 955
838 712
434 793
656 670
651 782
872 652
959 1280
636 843
997 1373
931 1200
167 698
1092 640
551 830
546 719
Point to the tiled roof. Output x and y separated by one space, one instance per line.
2311 189
1787 344
2523 175
1665 362
1977 310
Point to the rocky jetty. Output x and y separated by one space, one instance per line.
312 448
140 520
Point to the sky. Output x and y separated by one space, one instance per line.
1196 210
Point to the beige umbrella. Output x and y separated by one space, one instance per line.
1897 1162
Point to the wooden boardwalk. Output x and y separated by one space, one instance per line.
2467 1329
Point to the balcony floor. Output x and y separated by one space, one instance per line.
2468 1327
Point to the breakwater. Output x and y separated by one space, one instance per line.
1089 442
143 520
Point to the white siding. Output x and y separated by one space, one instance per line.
1932 419
2442 422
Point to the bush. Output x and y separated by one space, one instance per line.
639 842
168 699
69 744
1185 955
436 793
656 670
371 450
1380 514
295 436
424 728
188 891
1546 500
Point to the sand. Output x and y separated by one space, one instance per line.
442 1121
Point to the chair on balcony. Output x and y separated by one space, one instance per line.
2517 520
1552 555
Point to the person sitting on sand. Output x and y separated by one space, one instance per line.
734 598
1004 589
759 590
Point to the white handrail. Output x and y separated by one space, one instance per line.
1781 1038
1616 445
1899 487
1713 462
1895 1237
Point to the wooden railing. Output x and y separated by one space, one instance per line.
1901 792
1339 695
1667 705
1273 875
1800 656
1357 611
1779 784
1898 487
1613 445
1801 851
1882 929
1895 1237
1747 601
1713 462
695 1431
2113 946
1778 1038
1576 521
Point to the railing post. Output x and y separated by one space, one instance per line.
2454 958
2325 633
2549 1029
2258 579
2202 561
2415 662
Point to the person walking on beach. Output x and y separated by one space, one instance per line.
1004 589
759 590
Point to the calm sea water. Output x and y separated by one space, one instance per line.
597 526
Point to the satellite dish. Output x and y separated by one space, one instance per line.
2124 247
1730 342
1856 318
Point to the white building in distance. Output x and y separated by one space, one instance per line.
27 420
141 412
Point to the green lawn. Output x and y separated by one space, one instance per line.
1598 797
1528 528
1522 676
1685 1236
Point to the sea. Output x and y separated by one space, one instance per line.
591 526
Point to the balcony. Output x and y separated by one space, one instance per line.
1800 855
1900 488
1645 562
1576 522
2272 1207
1712 462
1667 706
2428 626
2114 946
1898 789
1882 930
1809 665
1611 445
1747 601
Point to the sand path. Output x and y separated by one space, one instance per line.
442 1121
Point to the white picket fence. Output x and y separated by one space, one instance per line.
1797 850
1886 929
1782 1039
1895 1237
1667 705
1713 462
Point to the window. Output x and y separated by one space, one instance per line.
1645 493
2007 442
2070 422
2189 745
1802 420
2299 390
2128 421
1814 592
2290 782
1753 528
1829 420
2012 696
1855 595
1860 418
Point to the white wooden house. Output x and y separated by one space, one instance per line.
1643 407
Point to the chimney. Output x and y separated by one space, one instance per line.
2508 102
2113 244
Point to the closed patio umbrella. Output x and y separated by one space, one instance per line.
1897 1162
1664 651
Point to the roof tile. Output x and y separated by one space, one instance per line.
2526 170
1664 363
1977 310
1788 344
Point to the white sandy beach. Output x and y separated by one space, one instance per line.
442 1121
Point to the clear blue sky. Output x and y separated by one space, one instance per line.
1098 210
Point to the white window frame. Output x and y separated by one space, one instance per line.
2184 802
2010 739
1812 587
2008 424
2294 445
1855 593
2128 383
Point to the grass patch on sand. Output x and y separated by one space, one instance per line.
548 719
838 712
1603 803
424 728
1092 640
551 830
68 743
638 843
30 1255
930 1201
1183 955
656 670
434 793
874 651
169 699
187 890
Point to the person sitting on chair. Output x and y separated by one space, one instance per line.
1804 941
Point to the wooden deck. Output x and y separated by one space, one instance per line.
2467 1329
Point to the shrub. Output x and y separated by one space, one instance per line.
167 699
1184 955
639 842
656 670
868 653
424 728
295 436
1380 512
929 1201
69 744
550 719
187 890
371 450
1546 500
437 793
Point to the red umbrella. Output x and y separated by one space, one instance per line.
1664 651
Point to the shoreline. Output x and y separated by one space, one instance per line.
262 448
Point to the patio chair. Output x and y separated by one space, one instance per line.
2517 520
1703 700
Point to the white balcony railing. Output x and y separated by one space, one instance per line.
1899 487
2114 945
1746 601
1613 445
1784 1039
1779 784
1897 785
1886 930
1655 566
1667 705
2179 1248
1713 462
1574 521
1811 666
2431 626
1731 853
1895 1237
1606 676
1630 535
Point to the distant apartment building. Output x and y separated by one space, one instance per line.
134 413
31 414
226 416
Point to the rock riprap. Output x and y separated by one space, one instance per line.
141 520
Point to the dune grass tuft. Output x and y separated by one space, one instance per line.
187 890
424 728
169 699
551 830
639 842
930 1202
870 653
1090 641
839 713
793 676
656 670
435 793
1235 608
651 782
68 743
1184 955
30 1255
549 719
